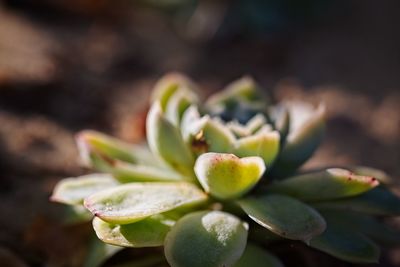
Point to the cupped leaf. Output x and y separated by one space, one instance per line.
149 232
329 184
264 144
73 190
252 126
285 216
226 176
254 256
94 142
347 245
177 105
127 173
306 130
378 201
166 141
211 239
167 86
217 136
133 202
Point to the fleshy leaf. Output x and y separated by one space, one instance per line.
330 184
378 174
73 190
211 239
149 232
378 201
127 173
226 176
94 142
217 136
254 256
281 120
347 245
285 216
243 89
177 104
167 86
263 144
166 141
133 202
306 130
252 126
190 125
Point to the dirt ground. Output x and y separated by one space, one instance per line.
67 66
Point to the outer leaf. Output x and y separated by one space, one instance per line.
305 134
330 184
127 173
133 202
166 141
255 256
167 86
285 216
226 176
73 190
378 174
94 142
346 245
211 239
149 232
358 222
264 144
378 201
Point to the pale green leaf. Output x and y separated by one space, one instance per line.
73 190
166 141
306 130
149 232
127 173
226 176
94 142
243 89
217 136
254 256
285 216
133 202
264 144
211 239
167 86
329 184
177 105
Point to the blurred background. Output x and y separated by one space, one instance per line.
72 65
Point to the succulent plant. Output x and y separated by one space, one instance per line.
219 180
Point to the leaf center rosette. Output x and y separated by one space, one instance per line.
218 179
